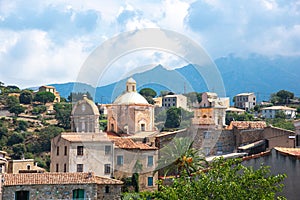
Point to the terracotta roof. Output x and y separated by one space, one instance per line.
56 179
127 143
247 125
289 151
252 145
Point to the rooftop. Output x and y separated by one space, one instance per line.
127 143
84 137
289 151
247 125
245 94
279 108
56 179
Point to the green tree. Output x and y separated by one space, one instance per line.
224 179
148 92
173 118
15 138
17 109
26 97
281 97
280 114
19 151
179 157
12 101
76 96
63 114
44 97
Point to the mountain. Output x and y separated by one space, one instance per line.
260 74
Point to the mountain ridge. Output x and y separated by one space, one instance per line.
260 74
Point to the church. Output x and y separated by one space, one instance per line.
117 153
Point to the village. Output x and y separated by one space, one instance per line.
89 162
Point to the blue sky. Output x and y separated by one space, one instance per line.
43 42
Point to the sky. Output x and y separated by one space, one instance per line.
44 42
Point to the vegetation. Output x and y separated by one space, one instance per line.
179 158
281 97
26 97
44 97
148 94
76 96
63 114
238 117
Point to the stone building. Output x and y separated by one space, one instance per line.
60 186
256 136
130 113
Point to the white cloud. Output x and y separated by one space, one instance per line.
40 41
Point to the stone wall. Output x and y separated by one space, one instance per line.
41 192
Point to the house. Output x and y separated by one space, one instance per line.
245 101
60 186
281 161
3 161
271 112
255 136
23 166
46 88
297 130
175 100
235 110
211 99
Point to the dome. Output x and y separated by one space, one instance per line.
85 106
130 98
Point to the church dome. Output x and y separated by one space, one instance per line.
130 98
85 107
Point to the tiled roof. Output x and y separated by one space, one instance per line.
127 143
56 179
289 151
247 125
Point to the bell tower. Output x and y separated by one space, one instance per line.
131 85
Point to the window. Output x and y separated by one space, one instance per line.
112 127
78 194
150 181
206 134
107 169
57 167
66 149
120 160
57 151
28 167
142 127
22 195
219 146
107 150
107 189
150 161
79 167
79 150
65 167
133 88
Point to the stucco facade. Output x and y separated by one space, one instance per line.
245 101
130 113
